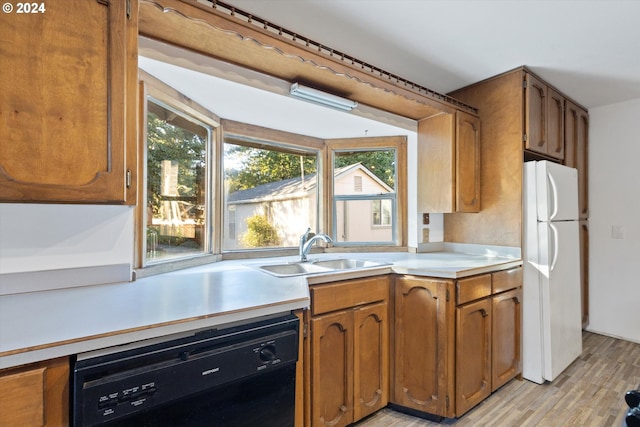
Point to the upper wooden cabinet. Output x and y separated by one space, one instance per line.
576 141
68 103
449 163
544 118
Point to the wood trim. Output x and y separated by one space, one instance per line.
398 143
217 34
232 128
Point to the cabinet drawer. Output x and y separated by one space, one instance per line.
473 288
341 295
24 404
505 280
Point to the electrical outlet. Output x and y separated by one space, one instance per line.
425 218
425 235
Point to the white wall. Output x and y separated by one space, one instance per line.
36 237
614 201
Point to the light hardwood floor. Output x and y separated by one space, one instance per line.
590 392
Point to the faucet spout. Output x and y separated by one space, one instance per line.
307 240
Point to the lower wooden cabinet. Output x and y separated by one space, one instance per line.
423 346
473 354
35 395
455 341
506 357
349 350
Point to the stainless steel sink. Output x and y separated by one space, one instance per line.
348 264
293 269
318 266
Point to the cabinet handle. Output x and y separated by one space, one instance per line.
484 312
343 408
516 300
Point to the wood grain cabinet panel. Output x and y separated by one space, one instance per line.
576 144
423 345
35 395
467 162
506 360
544 119
535 115
473 354
68 107
449 163
332 369
349 351
555 124
371 359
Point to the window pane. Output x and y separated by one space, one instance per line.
364 196
176 184
270 197
375 167
353 225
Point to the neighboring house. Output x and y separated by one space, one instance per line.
290 207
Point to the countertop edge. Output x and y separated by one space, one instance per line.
80 345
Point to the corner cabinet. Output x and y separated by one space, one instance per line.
68 101
449 163
35 394
347 354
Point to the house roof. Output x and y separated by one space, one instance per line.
293 187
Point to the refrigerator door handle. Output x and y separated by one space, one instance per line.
554 237
554 196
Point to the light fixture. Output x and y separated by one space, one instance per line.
323 98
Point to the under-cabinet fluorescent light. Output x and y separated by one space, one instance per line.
319 97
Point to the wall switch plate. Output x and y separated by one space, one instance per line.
425 218
425 235
617 232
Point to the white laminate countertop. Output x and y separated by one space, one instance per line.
42 325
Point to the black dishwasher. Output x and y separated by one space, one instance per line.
238 376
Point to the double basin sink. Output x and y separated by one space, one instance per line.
296 268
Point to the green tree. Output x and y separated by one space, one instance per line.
259 233
382 163
166 141
256 166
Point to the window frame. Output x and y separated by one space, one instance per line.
221 128
267 138
162 94
399 200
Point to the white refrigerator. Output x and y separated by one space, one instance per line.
551 307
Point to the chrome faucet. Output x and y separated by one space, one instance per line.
307 240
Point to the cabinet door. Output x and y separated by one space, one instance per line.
467 163
423 345
576 142
555 124
332 369
64 103
536 115
507 321
35 395
436 163
584 270
371 359
473 354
